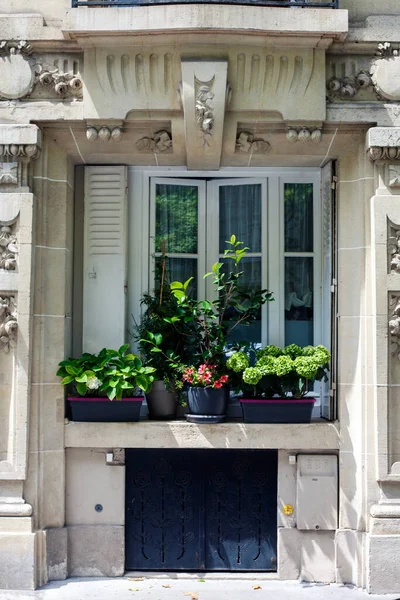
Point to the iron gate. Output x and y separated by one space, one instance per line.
201 510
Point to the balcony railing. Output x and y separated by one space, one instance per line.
276 3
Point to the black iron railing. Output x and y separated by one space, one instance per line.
280 3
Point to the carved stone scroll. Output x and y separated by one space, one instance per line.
160 142
247 142
8 173
8 248
8 323
204 98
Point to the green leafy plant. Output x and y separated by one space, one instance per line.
206 325
111 373
284 372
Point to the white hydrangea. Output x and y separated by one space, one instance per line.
93 383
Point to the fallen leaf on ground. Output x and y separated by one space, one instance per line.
257 587
202 580
166 585
193 595
133 589
136 578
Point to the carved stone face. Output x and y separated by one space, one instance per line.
386 77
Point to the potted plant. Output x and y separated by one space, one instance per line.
276 387
206 326
162 344
106 386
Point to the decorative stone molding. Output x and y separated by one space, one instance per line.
304 134
246 142
8 248
104 134
394 176
393 246
385 72
26 151
160 142
348 87
8 323
394 323
205 107
21 74
8 173
384 153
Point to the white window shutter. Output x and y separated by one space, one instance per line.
105 258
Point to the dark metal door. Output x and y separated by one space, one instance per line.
201 510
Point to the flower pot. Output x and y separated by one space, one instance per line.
103 410
277 410
160 402
207 405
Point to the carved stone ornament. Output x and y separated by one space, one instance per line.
8 173
393 247
8 248
247 142
104 134
304 134
384 153
160 142
20 73
20 151
8 323
385 72
394 176
205 108
347 87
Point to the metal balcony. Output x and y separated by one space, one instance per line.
275 3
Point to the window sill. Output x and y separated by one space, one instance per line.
318 436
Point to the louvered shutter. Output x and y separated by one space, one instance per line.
105 258
329 303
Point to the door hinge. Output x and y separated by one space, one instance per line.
334 182
333 286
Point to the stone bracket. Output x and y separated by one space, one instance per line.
204 91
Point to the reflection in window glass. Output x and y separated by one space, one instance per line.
176 218
250 282
240 213
181 269
299 300
298 217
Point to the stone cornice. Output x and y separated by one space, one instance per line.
383 143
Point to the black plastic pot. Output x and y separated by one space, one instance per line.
277 410
207 403
103 410
160 402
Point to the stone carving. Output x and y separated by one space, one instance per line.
347 87
385 72
61 83
8 323
304 134
394 176
8 173
27 151
21 74
393 247
104 134
160 142
8 248
205 107
384 153
246 142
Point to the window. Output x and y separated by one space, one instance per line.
276 213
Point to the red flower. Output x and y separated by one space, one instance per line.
224 378
218 384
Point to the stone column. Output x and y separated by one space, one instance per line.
19 144
383 148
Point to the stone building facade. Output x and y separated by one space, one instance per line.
97 101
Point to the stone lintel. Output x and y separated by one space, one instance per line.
20 134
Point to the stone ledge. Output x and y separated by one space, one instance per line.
203 18
317 436
20 134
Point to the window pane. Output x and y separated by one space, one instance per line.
299 301
176 218
298 217
240 214
180 269
251 281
